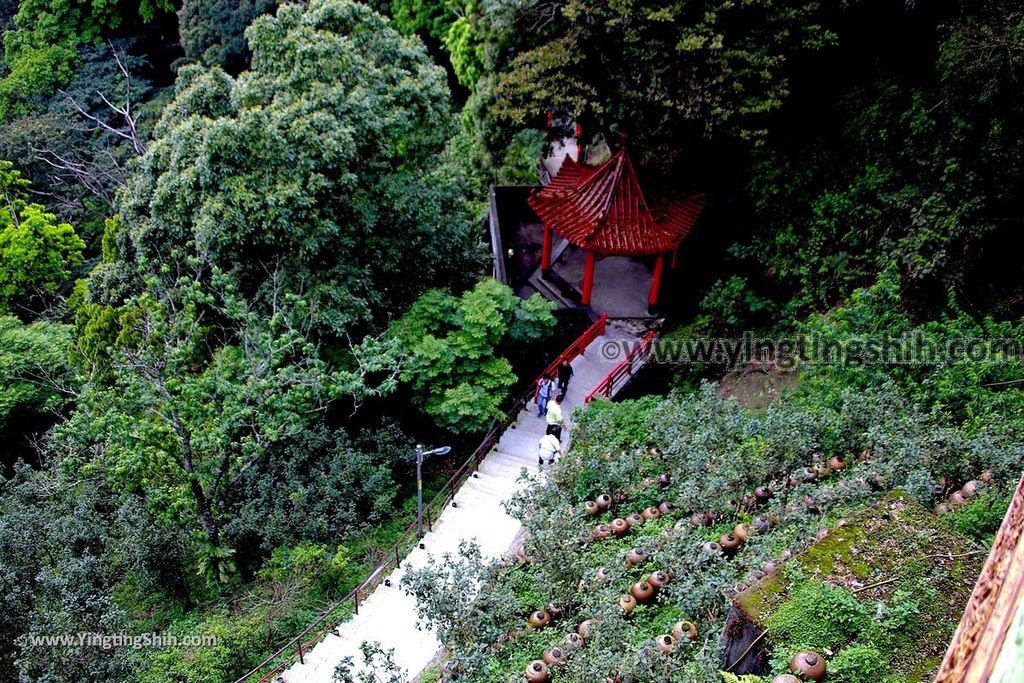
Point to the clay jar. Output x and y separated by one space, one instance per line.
785 678
762 524
652 513
665 644
742 532
684 630
602 574
538 619
658 579
729 543
643 591
712 548
537 672
584 629
604 501
837 463
556 611
620 527
970 489
664 479
602 531
572 641
554 656
627 603
635 556
591 508
665 508
635 519
957 499
808 664
762 494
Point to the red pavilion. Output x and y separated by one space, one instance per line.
603 211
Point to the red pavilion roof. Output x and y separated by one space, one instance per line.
603 209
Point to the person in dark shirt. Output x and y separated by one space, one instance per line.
564 375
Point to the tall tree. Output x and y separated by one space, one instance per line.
274 218
667 72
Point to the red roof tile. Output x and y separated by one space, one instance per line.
603 209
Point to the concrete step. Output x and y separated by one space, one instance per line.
491 486
526 459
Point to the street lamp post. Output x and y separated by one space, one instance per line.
420 454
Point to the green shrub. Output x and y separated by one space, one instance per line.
817 616
980 519
857 664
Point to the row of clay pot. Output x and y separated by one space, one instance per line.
620 526
965 494
542 617
729 542
643 591
539 670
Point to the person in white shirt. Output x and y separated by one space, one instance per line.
549 445
544 389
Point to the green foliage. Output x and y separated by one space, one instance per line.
815 616
379 666
733 678
907 166
318 170
980 519
857 663
41 48
924 359
432 17
731 305
320 486
720 64
33 367
452 346
38 253
213 31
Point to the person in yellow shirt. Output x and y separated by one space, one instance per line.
555 419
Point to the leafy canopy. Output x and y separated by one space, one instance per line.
36 252
453 366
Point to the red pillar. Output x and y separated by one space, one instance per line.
659 267
675 258
545 252
579 143
588 278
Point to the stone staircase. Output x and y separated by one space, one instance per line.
389 615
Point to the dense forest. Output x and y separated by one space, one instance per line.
243 274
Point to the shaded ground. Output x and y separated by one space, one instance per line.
754 388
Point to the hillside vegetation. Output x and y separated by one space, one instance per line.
242 276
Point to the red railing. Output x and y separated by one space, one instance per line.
297 647
620 373
577 348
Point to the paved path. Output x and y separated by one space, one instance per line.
388 615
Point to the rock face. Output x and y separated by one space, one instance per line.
739 633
